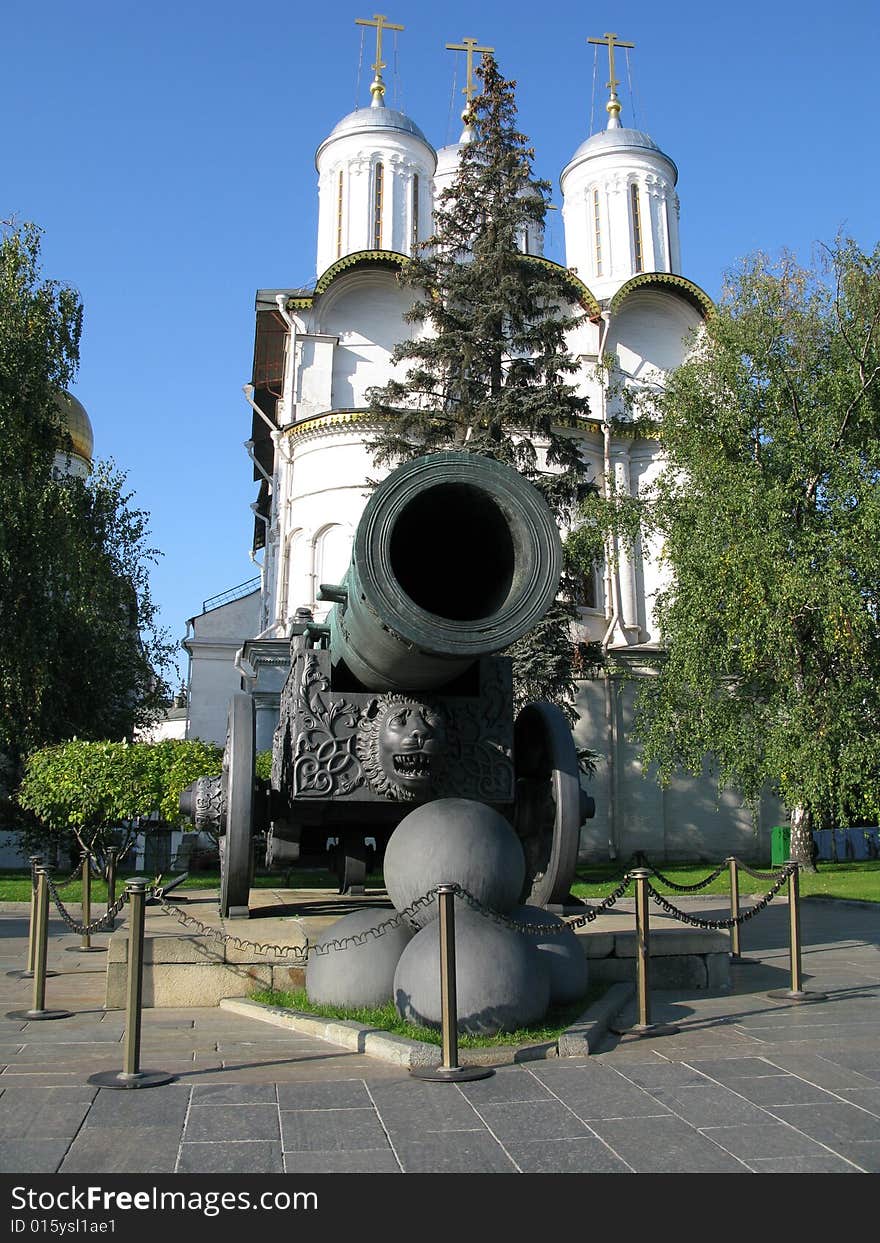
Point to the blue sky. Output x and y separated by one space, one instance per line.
167 150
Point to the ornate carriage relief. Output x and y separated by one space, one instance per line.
314 755
209 805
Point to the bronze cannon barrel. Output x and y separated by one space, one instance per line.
456 556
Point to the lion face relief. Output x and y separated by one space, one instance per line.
400 743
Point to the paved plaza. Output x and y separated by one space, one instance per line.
749 1084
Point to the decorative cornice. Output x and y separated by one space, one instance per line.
581 293
337 422
668 282
359 258
392 259
334 422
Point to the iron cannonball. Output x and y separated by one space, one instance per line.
562 952
358 975
455 841
501 982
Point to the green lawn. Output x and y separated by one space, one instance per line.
860 880
386 1018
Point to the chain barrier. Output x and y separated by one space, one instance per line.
719 924
577 921
288 952
759 875
394 921
701 884
100 924
300 954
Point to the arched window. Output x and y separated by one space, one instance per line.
339 187
378 192
638 261
296 589
414 241
332 554
597 233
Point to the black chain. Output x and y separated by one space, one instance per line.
102 924
394 921
300 955
717 924
701 884
759 875
578 921
290 953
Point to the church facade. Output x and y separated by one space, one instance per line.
319 350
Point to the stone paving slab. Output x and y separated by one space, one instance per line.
748 1085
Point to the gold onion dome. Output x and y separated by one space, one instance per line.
77 435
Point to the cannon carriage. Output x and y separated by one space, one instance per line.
401 696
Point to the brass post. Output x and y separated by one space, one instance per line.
794 929
449 1069
131 1076
41 946
796 993
734 907
137 892
112 852
643 937
86 942
644 1026
35 861
27 973
448 998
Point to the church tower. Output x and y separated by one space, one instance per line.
319 350
620 208
531 240
73 455
374 177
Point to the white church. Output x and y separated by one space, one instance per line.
319 350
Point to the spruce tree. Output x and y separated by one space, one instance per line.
490 371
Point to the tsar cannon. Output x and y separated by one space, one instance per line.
401 696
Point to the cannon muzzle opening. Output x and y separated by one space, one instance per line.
456 557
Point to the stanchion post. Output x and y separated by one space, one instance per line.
28 972
643 939
796 993
449 1070
85 944
131 1076
35 861
644 1026
112 852
41 946
734 907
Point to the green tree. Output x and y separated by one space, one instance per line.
79 650
93 790
769 512
489 371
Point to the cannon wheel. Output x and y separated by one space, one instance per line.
547 814
237 870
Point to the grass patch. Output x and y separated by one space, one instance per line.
855 879
386 1018
15 885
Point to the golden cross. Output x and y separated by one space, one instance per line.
381 22
612 41
470 46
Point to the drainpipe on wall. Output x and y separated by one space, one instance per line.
613 583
